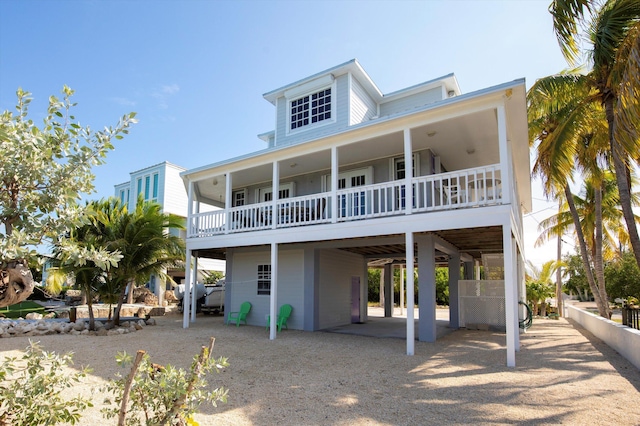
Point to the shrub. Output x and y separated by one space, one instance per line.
31 389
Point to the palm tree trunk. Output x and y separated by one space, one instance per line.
584 253
559 300
116 314
622 179
598 259
92 320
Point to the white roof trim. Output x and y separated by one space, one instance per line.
435 105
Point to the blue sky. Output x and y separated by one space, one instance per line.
195 71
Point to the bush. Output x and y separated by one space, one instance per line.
31 388
162 395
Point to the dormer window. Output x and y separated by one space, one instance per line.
311 109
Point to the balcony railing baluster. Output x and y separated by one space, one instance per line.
443 191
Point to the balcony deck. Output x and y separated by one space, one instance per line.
444 191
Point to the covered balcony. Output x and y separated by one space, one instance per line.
455 157
468 188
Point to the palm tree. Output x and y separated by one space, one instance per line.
81 256
612 34
142 237
567 127
614 235
539 283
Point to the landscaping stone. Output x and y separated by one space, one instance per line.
43 327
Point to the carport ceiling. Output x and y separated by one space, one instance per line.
472 241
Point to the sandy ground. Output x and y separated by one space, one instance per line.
564 375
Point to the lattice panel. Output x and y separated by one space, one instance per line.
493 266
482 304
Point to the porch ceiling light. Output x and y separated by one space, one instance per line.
431 134
293 165
471 151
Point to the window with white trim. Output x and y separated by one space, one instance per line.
311 109
286 190
264 280
239 198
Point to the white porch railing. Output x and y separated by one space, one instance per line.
443 191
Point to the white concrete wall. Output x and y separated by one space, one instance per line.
623 339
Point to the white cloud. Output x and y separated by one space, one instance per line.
162 95
122 101
170 90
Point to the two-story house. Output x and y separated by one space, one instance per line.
351 176
161 183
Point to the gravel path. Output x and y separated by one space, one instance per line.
564 375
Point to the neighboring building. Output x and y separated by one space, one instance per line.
162 184
350 177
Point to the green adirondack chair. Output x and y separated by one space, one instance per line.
283 316
237 317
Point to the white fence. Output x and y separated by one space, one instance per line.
623 339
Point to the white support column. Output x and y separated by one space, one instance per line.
275 193
408 175
510 302
228 202
516 284
186 300
190 228
194 280
505 155
334 184
454 291
402 289
411 334
382 287
273 298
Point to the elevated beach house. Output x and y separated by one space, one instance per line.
351 178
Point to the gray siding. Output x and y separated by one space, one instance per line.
363 107
337 268
411 102
290 285
340 97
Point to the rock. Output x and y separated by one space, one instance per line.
138 326
78 326
102 332
33 316
50 315
150 321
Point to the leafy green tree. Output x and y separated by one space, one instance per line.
212 277
623 277
575 278
374 284
43 172
442 286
